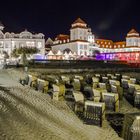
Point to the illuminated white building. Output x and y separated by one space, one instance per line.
132 44
80 41
10 41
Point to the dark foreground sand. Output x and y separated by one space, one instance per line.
29 115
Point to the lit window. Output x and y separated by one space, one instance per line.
7 45
39 45
81 47
1 44
85 47
13 43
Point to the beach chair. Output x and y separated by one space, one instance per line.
88 92
133 80
124 83
95 81
105 79
42 85
58 92
111 101
102 86
79 102
137 99
94 113
97 95
76 84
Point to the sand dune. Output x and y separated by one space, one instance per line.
26 114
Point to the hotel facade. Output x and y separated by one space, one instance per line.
10 41
82 42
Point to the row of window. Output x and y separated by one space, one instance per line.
7 35
81 38
120 50
133 40
83 47
81 33
28 44
115 46
119 46
104 42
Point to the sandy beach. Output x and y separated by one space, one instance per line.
26 114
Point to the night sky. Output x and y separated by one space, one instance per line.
109 19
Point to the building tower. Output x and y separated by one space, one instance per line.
91 37
79 31
132 38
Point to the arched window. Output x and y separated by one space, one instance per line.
25 34
8 35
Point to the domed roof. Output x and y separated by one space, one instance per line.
25 32
62 37
132 31
79 23
79 20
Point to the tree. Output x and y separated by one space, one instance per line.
23 59
23 52
15 53
27 50
6 56
95 52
